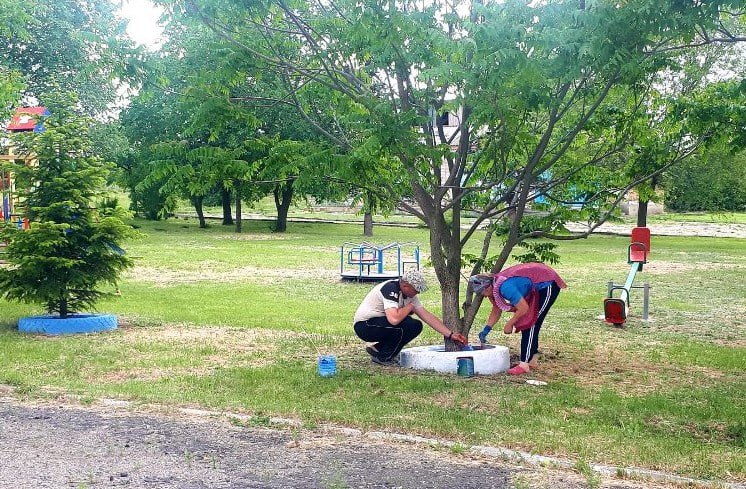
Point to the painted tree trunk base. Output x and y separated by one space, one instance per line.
73 324
492 359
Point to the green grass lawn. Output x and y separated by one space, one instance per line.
220 320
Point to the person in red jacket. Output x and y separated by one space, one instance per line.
528 291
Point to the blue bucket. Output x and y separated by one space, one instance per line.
327 365
465 366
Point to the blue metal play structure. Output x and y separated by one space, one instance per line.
370 262
616 309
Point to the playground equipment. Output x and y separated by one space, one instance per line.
370 262
616 309
24 119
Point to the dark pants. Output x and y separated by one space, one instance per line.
530 337
390 338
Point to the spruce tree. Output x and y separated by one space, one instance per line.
71 248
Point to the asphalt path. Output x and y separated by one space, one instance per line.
58 446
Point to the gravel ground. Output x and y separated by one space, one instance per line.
701 229
65 446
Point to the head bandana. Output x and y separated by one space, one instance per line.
479 282
415 279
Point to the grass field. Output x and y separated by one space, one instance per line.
220 320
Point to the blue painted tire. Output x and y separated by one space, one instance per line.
76 323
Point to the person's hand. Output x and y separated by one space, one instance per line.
459 339
508 329
483 335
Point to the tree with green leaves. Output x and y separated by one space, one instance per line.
207 85
80 46
72 247
183 171
15 19
675 93
713 182
714 179
543 97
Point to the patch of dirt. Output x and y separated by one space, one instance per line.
258 237
613 364
210 272
658 267
233 347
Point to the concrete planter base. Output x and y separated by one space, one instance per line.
492 359
76 323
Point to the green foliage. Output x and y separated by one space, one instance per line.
10 91
143 200
83 48
718 112
542 252
71 248
558 98
714 182
181 171
536 251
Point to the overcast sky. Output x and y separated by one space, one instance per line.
143 25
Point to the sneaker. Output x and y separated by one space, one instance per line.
518 370
371 351
385 363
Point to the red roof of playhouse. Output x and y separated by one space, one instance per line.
28 119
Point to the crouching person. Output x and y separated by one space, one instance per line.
384 318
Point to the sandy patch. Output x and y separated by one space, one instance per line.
664 267
614 365
258 237
236 340
210 272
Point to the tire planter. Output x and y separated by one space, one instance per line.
492 359
75 323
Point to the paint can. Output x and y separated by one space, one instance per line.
465 366
327 365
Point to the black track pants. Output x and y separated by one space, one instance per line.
390 338
530 337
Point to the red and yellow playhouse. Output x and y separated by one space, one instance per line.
24 119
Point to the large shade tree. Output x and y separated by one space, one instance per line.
80 46
206 94
545 96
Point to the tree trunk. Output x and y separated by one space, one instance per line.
283 195
225 196
445 255
449 277
367 224
239 219
63 308
197 202
643 201
642 213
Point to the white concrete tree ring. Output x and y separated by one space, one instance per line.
492 359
